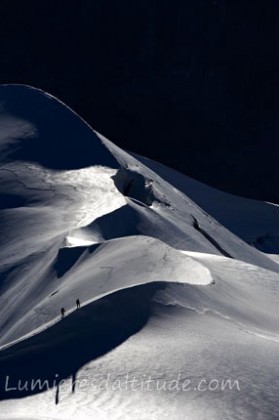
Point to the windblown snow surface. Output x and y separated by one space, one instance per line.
179 312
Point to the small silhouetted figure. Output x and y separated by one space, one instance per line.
78 303
62 312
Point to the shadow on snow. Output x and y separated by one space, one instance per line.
86 334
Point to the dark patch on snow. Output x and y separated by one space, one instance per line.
10 201
196 226
119 223
67 257
134 185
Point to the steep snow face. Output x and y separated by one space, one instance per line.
166 290
254 221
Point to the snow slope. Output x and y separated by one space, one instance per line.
166 290
254 221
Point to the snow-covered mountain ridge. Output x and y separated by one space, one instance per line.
140 246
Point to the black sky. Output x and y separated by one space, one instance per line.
193 84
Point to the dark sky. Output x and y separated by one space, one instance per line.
192 84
